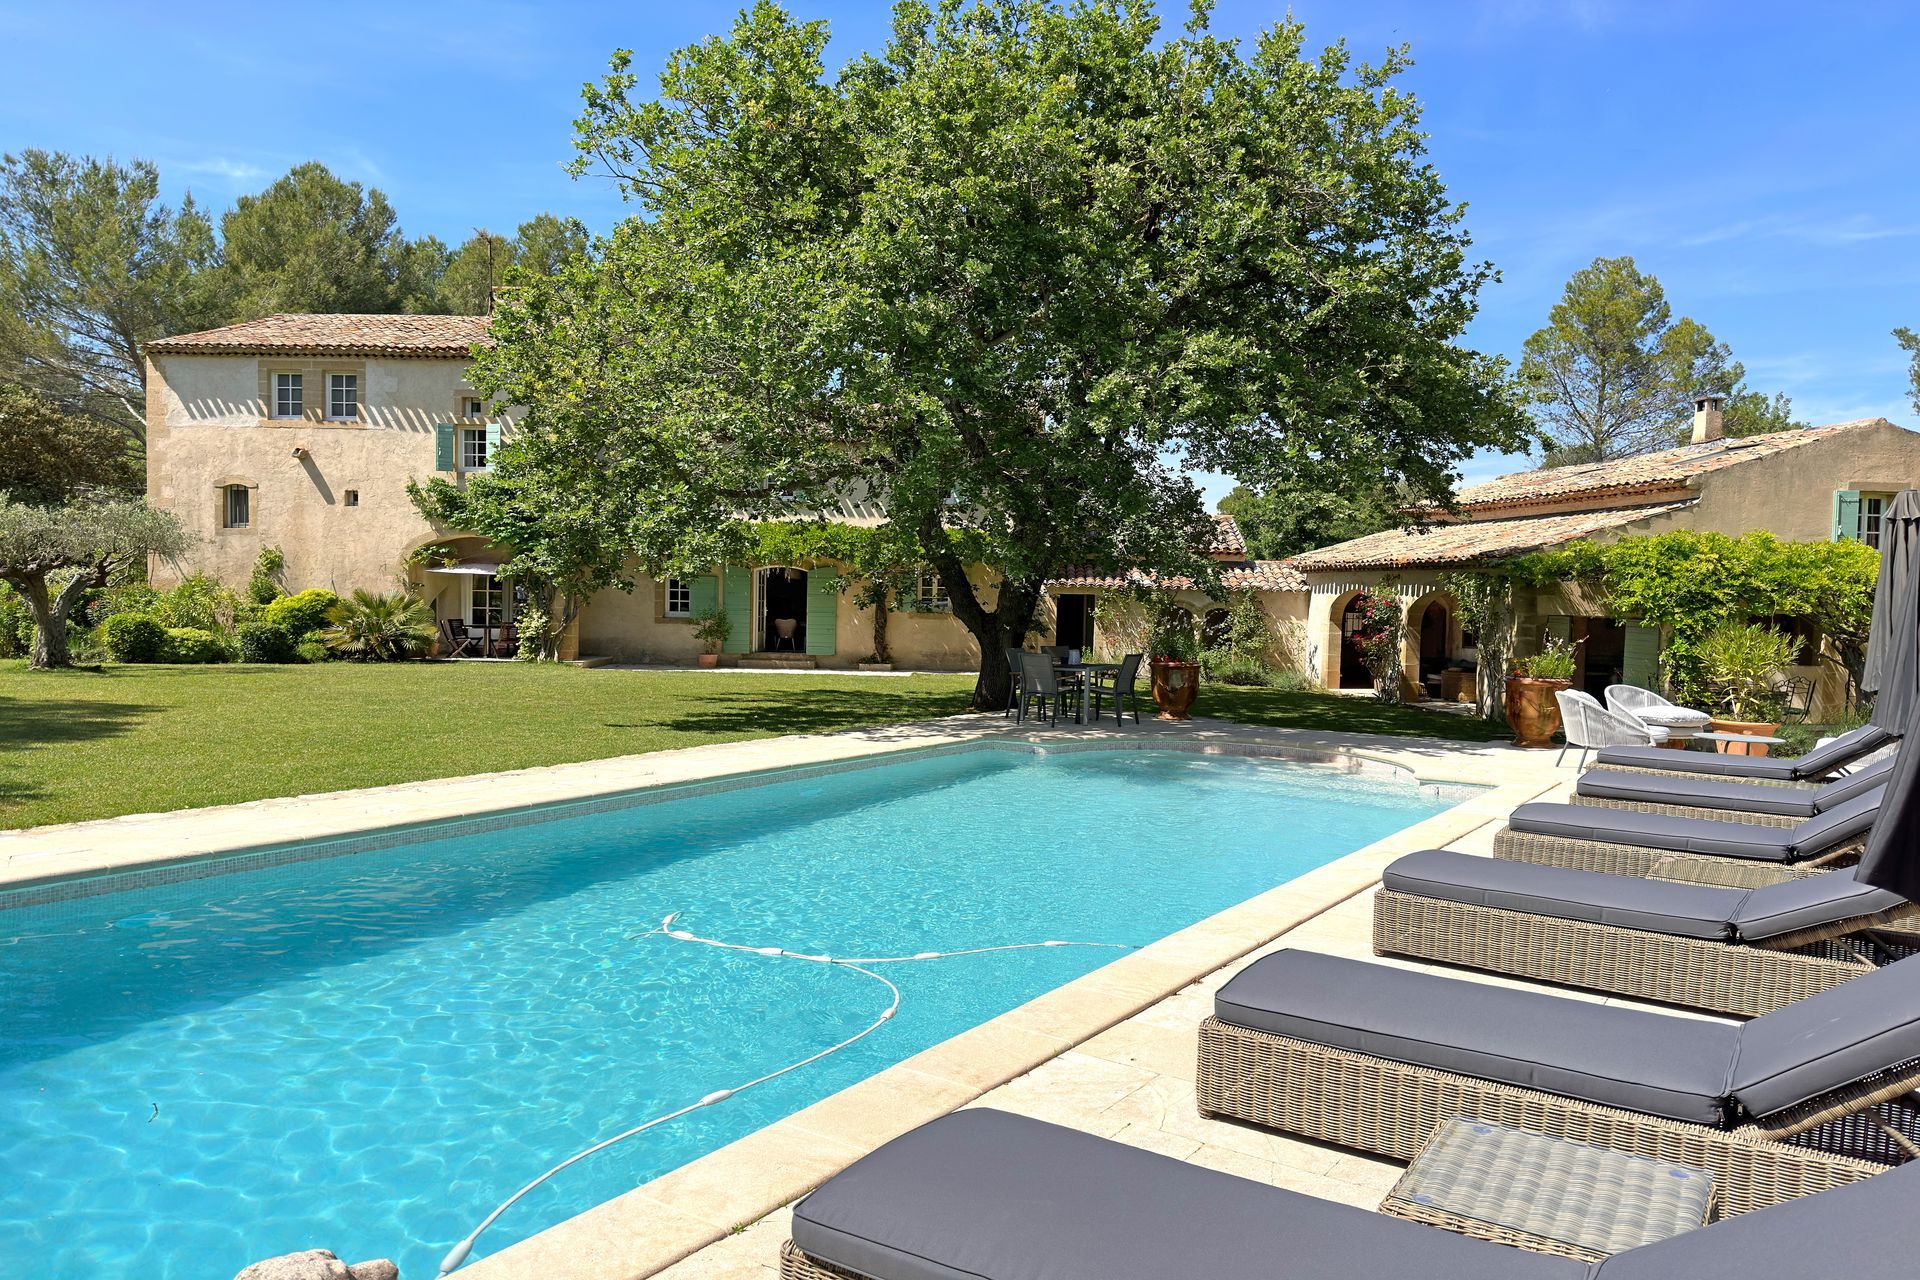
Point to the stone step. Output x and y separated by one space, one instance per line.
778 662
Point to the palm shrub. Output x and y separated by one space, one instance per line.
379 628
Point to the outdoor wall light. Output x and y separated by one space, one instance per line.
299 451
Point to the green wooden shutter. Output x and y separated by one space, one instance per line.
704 593
823 613
444 453
1641 665
1846 514
493 443
739 584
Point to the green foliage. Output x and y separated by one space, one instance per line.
1243 650
312 651
92 265
16 623
565 549
188 645
267 582
1557 660
314 243
1692 583
488 261
200 602
1741 666
133 637
1750 413
1379 635
1910 343
1308 512
302 613
712 628
1613 373
264 642
1173 637
49 457
88 546
997 272
379 628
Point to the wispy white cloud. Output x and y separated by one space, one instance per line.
221 167
1847 229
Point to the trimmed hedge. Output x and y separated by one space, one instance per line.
188 645
133 637
264 642
302 614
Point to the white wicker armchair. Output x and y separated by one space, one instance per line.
1633 700
1589 726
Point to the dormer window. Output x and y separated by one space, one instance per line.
288 397
473 407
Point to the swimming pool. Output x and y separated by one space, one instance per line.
368 1052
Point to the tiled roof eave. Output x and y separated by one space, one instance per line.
1640 491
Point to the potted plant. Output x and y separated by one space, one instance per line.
1532 710
712 629
1743 666
1176 663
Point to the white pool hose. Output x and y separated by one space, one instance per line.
457 1255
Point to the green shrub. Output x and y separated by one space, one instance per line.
264 586
1742 666
301 614
311 651
1555 661
379 628
133 637
199 603
16 624
192 645
264 642
1224 666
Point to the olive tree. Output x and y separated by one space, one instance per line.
1013 275
81 546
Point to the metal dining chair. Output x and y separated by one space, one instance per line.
1041 688
1120 686
1014 682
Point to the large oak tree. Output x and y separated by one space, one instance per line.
1013 274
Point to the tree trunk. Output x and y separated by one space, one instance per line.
50 618
880 608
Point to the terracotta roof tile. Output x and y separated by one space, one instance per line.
1465 542
1646 473
1226 537
404 336
1256 575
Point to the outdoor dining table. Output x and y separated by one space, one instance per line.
1082 673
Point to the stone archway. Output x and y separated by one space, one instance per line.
1429 642
1340 664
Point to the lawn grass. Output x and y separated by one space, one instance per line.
140 739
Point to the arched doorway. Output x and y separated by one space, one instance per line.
782 620
1353 670
1431 643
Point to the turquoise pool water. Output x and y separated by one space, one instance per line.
367 1052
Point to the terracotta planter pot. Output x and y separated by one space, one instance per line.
709 659
1757 728
1174 687
1531 710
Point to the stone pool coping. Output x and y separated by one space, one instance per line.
666 1220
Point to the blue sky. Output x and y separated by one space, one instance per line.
1758 157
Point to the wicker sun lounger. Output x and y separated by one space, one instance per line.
1722 799
1736 951
1814 767
983 1195
1627 843
1804 1098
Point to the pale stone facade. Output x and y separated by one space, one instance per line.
1804 486
246 469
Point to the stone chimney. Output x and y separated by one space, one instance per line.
1706 417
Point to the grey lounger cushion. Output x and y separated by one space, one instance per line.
1724 793
1647 1062
1808 903
1816 764
1863 1230
1809 839
1629 902
1844 1034
983 1195
1654 906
